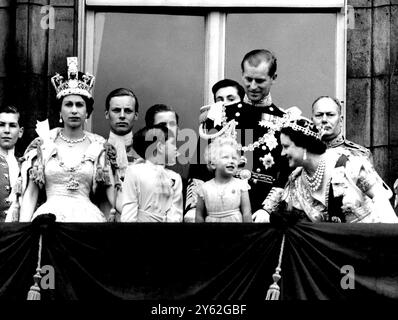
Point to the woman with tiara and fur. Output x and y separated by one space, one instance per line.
69 163
327 186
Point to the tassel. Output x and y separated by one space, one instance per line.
33 172
273 292
36 173
34 292
40 175
107 178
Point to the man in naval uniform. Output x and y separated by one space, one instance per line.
253 117
327 114
10 132
269 168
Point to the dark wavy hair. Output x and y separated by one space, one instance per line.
120 92
89 103
300 139
11 109
228 83
157 108
255 57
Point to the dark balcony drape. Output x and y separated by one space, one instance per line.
196 262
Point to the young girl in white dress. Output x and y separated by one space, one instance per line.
150 192
224 198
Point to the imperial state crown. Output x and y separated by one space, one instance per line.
77 82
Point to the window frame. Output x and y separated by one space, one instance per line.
215 27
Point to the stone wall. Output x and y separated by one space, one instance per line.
41 33
372 82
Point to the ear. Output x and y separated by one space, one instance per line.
106 114
160 147
135 116
20 133
212 165
274 77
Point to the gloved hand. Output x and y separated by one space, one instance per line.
203 113
261 216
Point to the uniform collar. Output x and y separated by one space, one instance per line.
335 142
264 102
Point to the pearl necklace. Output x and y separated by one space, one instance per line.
71 141
315 181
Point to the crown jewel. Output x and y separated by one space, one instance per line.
73 85
305 126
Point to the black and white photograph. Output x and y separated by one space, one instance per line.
200 157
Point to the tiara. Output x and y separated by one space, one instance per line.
305 126
73 85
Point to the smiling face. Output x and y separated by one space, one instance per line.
326 117
256 81
293 153
121 114
226 162
73 111
10 131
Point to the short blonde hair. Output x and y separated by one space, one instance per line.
212 151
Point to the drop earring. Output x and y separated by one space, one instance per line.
305 155
60 119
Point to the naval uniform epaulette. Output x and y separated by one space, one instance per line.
356 148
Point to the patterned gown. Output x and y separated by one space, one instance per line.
68 188
345 198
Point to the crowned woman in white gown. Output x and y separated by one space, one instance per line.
68 163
